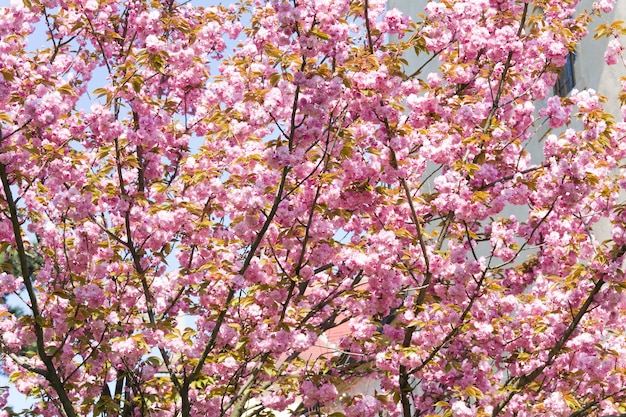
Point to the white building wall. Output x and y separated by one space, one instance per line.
590 68
590 72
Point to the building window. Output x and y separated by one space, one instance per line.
566 81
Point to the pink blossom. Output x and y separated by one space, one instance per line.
8 283
362 330
460 409
586 100
606 6
322 394
613 52
269 206
396 21
557 405
364 406
557 113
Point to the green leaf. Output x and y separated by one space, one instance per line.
101 92
137 83
66 89
8 74
320 34
473 392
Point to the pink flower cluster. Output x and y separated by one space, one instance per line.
261 208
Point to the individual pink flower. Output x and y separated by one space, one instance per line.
558 114
613 52
605 6
460 409
8 283
556 405
318 394
364 406
396 21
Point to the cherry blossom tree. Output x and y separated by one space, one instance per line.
195 198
